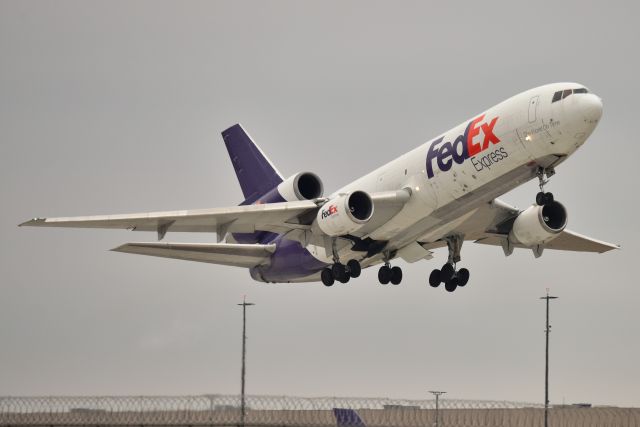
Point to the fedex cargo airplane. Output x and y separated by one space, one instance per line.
438 195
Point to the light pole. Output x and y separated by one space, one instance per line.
437 395
244 305
546 363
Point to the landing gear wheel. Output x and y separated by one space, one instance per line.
446 272
327 277
548 198
451 285
540 199
396 275
434 278
384 275
339 271
463 277
353 266
345 279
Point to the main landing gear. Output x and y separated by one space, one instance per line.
343 273
543 198
340 272
448 274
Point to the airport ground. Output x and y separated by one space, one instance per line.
400 417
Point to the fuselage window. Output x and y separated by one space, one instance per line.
581 90
557 96
566 93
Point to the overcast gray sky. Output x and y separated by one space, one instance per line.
118 107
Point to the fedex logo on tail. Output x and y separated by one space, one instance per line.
477 137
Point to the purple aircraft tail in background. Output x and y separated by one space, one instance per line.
255 172
347 417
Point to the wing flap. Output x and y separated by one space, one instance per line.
237 255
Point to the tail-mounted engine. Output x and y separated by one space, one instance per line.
345 214
301 186
538 225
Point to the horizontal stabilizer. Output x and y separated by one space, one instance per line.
236 255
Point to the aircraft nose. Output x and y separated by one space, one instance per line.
590 106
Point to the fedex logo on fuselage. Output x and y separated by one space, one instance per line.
476 138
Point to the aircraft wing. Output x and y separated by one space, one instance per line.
237 255
292 218
274 217
567 241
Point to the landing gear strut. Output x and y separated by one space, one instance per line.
448 274
543 198
340 272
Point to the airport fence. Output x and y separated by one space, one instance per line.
225 410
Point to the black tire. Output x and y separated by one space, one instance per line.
384 275
339 271
548 198
451 285
345 279
540 199
396 275
353 266
434 278
447 272
327 277
463 277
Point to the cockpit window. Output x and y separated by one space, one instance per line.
562 94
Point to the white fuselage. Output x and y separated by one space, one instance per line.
477 161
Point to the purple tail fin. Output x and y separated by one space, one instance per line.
347 417
255 172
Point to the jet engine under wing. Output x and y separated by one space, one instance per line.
237 255
567 240
274 217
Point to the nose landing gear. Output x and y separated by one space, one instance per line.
543 198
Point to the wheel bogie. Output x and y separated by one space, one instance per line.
451 278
